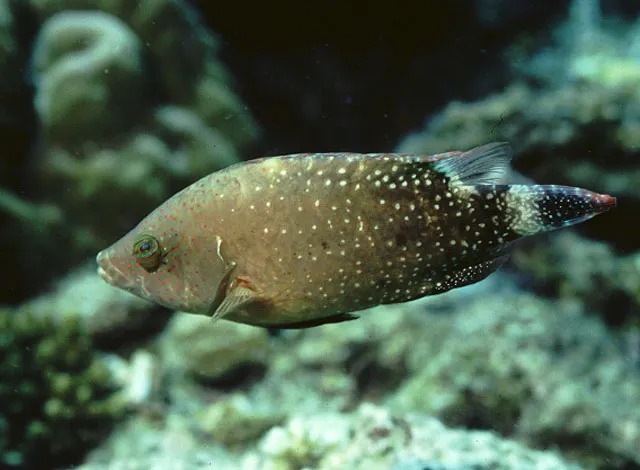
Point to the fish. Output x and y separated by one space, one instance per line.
303 240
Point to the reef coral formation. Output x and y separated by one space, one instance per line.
370 437
131 104
570 123
551 378
58 398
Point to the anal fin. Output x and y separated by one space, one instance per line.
470 275
337 318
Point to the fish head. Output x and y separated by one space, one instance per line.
167 260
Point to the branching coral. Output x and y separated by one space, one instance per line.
56 398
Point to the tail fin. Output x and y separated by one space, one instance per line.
534 209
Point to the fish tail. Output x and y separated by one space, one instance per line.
538 208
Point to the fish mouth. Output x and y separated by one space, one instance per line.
109 272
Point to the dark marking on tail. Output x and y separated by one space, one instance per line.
544 208
562 206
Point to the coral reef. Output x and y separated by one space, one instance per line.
132 104
375 438
372 353
570 266
588 48
142 126
111 316
89 77
549 376
58 399
579 134
571 113
17 129
235 420
371 438
209 350
547 128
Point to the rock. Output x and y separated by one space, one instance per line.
235 420
209 350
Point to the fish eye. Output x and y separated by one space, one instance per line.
147 251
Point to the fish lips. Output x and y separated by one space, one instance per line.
110 273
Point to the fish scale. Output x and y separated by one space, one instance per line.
337 248
392 223
301 240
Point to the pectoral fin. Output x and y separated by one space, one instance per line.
239 296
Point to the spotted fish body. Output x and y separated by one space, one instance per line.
307 239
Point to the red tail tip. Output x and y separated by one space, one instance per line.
607 201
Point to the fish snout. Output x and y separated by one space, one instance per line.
110 273
103 267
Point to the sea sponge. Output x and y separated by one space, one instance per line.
57 399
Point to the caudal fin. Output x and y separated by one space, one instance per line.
539 208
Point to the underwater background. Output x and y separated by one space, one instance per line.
108 107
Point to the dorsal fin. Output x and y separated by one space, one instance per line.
486 164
